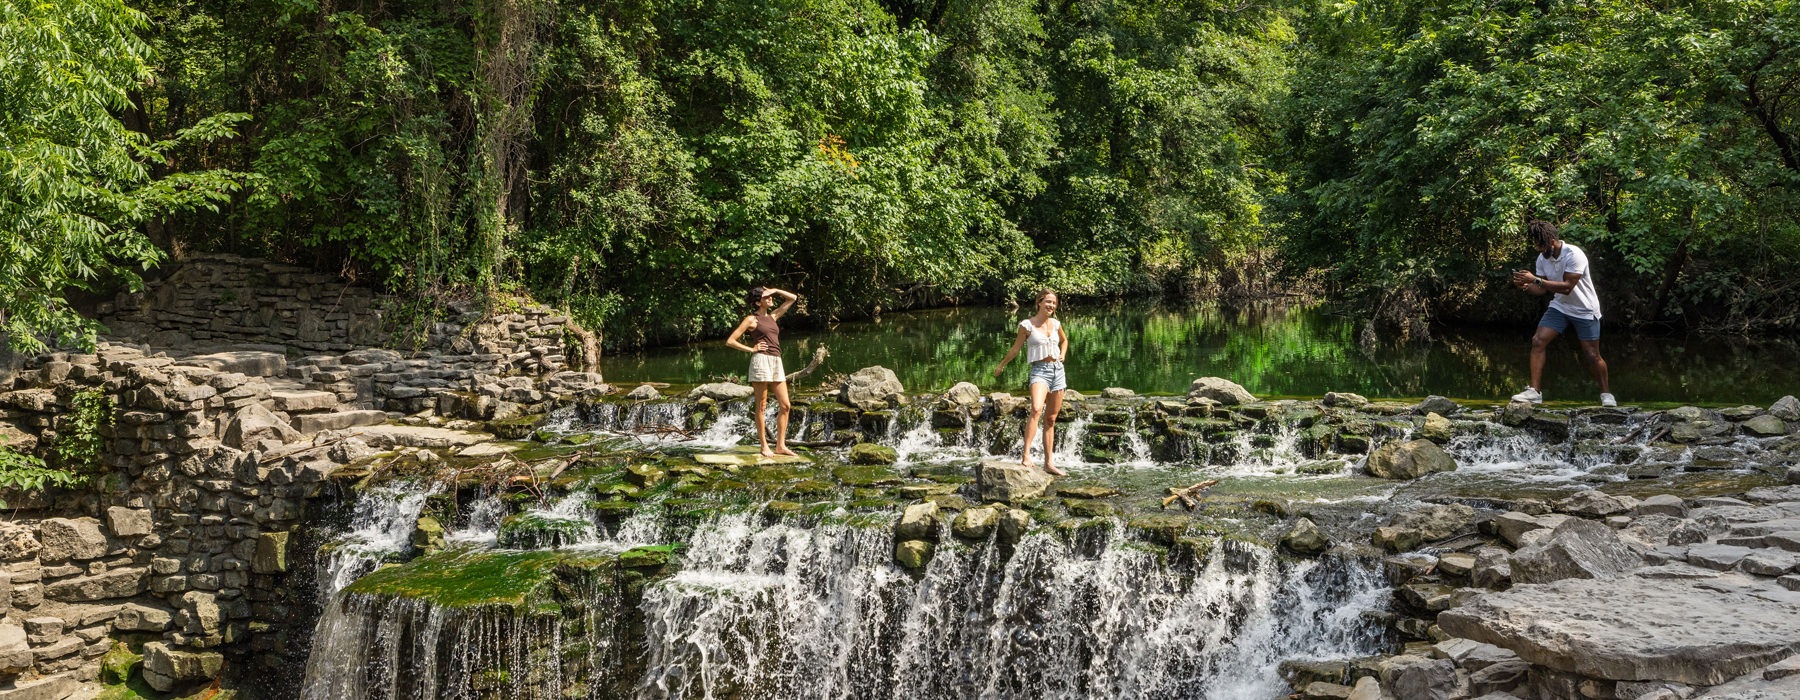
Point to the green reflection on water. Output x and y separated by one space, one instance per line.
1271 350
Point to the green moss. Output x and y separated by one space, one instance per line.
119 665
534 531
462 579
867 476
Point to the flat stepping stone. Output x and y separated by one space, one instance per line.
251 363
746 459
1633 628
310 423
424 437
487 449
1720 557
296 401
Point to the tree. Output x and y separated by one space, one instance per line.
74 181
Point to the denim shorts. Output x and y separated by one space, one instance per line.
1585 328
1050 373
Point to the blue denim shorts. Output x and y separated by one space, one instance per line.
1050 373
1585 328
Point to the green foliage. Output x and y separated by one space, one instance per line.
81 433
1661 137
23 473
74 180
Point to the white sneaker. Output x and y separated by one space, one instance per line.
1529 395
1608 401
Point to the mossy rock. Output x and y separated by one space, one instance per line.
1092 454
516 428
645 475
871 454
1159 528
875 422
917 492
119 665
534 531
949 501
613 511
874 504
866 475
648 556
520 581
813 488
1085 508
1351 443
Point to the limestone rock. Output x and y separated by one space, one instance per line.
1438 405
1344 400
1787 408
1594 504
128 522
17 541
1633 628
47 688
1433 679
976 523
166 668
1437 522
1224 391
872 389
870 453
1305 538
203 614
133 617
1575 549
66 539
114 583
271 553
1009 482
296 401
1765 426
15 651
918 522
1662 504
913 554
254 427
722 391
1013 526
1409 460
1114 392
644 392
963 394
1437 429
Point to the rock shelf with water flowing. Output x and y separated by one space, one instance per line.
550 538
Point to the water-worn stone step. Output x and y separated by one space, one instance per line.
253 363
390 436
52 688
298 401
310 423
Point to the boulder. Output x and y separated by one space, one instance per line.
912 554
1437 428
963 394
1113 392
1633 628
1575 549
1765 425
1305 538
1438 405
1224 391
1408 460
71 539
1594 504
872 389
870 453
918 522
976 523
166 668
722 391
1437 522
1431 679
1786 408
644 392
254 427
1662 504
1344 400
1009 482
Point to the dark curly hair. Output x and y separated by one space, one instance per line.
753 296
1540 232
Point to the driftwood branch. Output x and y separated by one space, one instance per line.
1188 495
590 347
818 359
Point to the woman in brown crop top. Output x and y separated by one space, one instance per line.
766 372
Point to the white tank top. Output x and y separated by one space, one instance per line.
1040 344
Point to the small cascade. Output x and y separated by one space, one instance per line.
1068 443
482 524
783 612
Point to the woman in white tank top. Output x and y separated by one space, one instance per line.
1046 345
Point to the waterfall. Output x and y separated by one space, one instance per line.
383 521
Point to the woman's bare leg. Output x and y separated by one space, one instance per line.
781 418
762 425
1051 407
1038 389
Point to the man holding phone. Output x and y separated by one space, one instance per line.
1562 270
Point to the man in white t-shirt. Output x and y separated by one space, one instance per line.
1562 270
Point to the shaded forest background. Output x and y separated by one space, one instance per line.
640 162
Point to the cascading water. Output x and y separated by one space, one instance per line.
820 612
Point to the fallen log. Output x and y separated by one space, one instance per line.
1188 495
818 358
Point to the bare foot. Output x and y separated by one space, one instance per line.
785 451
1026 463
766 452
1054 471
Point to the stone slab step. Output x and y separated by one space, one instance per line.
253 363
390 436
746 459
310 423
303 401
52 688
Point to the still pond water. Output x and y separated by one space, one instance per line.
1273 351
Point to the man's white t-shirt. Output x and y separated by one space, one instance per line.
1580 302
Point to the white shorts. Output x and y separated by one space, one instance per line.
766 368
